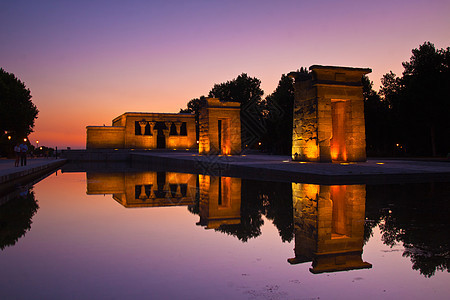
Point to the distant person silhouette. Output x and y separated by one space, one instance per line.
17 154
23 154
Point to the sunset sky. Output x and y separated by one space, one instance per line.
87 62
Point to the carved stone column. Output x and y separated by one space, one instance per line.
167 130
143 124
143 195
178 126
152 126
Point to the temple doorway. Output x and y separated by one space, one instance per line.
224 136
339 120
161 137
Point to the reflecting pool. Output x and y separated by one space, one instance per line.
170 235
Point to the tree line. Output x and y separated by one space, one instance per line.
408 116
17 112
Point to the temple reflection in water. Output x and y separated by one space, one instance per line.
328 221
329 226
146 189
218 199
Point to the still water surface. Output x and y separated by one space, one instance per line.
165 235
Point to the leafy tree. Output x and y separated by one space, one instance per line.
17 111
193 107
378 120
419 101
279 116
242 89
426 78
15 217
414 215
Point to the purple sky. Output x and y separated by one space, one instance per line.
87 62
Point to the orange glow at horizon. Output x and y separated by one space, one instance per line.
100 65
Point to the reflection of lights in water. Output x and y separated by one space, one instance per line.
285 161
380 163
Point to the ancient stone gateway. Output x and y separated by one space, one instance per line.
220 127
328 123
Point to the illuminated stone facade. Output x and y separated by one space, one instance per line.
146 189
220 201
144 131
328 123
220 127
329 226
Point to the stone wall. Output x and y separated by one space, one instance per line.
328 123
105 137
228 114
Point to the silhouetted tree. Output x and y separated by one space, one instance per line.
378 121
15 218
419 101
273 199
416 216
278 112
193 107
276 199
17 111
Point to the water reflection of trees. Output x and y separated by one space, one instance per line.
413 215
15 217
271 199
416 216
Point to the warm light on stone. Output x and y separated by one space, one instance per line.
328 122
220 201
220 127
146 189
329 226
144 131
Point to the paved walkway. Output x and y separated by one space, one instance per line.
10 174
274 166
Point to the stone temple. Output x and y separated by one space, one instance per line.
328 122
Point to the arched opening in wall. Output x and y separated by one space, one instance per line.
339 117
